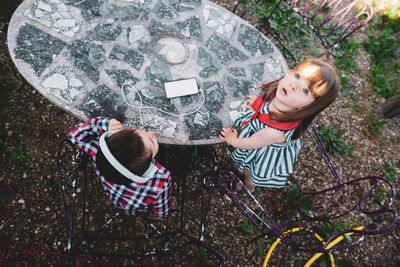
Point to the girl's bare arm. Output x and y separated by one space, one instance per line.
261 138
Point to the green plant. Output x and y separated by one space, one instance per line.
260 249
332 139
384 51
6 87
290 197
17 154
289 27
247 227
200 258
388 172
374 126
346 55
346 87
335 226
379 194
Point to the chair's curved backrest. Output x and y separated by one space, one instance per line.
296 25
321 217
334 20
315 221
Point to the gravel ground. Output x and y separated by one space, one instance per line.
30 207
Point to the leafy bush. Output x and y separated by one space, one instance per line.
384 51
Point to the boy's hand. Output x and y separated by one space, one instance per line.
250 100
114 125
228 135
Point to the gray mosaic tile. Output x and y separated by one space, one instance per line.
188 100
86 56
37 48
90 9
133 58
144 47
134 12
214 94
183 5
224 51
104 102
253 41
106 32
237 71
164 11
159 30
158 73
191 28
203 125
160 125
257 71
208 64
154 97
275 67
237 87
122 76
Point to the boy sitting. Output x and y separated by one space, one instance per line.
124 161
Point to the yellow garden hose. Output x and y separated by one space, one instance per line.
317 255
334 242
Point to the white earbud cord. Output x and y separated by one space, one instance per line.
160 110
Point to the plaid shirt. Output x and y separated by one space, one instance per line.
134 197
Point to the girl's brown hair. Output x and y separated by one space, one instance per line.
128 148
324 86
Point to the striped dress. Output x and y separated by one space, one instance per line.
269 166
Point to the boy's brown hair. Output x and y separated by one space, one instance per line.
128 148
324 86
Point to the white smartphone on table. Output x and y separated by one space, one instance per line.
181 88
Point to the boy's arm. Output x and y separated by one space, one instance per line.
86 135
264 137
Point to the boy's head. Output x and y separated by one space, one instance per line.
133 148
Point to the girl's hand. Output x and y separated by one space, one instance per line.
114 125
228 135
250 100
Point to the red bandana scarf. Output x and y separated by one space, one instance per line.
264 118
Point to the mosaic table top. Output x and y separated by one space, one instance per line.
112 58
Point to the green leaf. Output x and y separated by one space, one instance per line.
260 249
246 228
307 203
347 238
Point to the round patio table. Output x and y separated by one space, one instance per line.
112 58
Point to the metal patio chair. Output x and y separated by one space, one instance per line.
95 228
317 221
190 252
329 21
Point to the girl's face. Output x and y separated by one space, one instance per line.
293 92
150 142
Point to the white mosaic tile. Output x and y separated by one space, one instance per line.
53 14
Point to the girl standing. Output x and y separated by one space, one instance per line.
269 140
